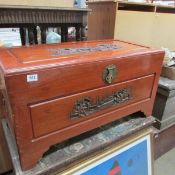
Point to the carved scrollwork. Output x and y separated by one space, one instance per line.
87 105
98 47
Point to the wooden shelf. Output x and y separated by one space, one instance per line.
142 23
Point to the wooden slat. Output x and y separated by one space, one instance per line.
5 162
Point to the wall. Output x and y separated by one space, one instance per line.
50 3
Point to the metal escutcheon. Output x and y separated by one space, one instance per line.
109 73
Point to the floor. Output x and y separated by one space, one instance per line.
165 165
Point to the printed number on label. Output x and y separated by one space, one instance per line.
33 77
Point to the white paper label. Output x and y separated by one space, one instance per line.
33 77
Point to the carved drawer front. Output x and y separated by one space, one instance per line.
56 114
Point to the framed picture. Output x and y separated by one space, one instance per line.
133 156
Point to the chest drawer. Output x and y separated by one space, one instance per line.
63 112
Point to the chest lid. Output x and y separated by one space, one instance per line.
24 59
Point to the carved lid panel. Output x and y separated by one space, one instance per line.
21 59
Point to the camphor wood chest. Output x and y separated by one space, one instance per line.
54 92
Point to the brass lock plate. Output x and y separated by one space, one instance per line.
109 73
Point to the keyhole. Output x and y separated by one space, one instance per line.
109 78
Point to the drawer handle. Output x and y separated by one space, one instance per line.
87 105
109 73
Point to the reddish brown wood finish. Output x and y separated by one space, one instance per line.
39 111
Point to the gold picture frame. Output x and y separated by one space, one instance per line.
84 166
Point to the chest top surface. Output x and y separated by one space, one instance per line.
21 59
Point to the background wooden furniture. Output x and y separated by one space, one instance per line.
101 21
164 141
164 110
5 161
146 24
164 113
32 16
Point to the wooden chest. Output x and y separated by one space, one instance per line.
54 92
